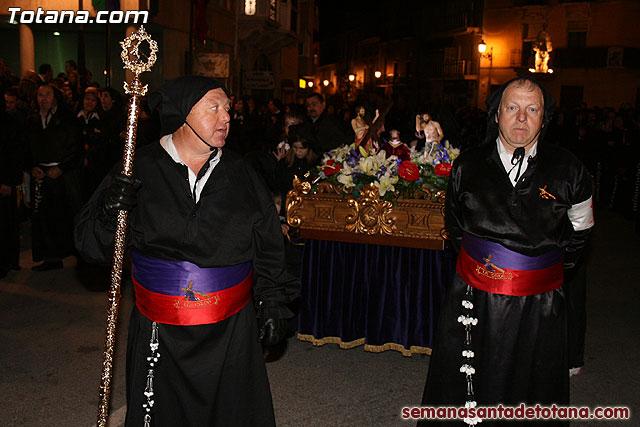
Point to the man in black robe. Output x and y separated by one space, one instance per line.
205 241
54 161
519 212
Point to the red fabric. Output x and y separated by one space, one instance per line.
177 310
401 151
508 281
200 26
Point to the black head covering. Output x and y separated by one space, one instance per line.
175 98
493 104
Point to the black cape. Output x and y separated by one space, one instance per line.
208 374
520 343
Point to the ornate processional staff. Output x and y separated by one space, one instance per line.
132 61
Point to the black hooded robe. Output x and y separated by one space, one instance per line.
209 374
520 342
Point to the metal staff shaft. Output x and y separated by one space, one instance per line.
130 49
116 270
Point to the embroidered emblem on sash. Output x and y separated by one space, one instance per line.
492 271
195 299
544 194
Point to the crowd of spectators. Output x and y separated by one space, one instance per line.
61 135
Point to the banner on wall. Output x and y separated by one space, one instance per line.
212 64
259 80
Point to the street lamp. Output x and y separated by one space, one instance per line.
482 48
310 83
352 77
378 74
325 82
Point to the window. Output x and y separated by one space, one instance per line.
528 59
577 39
294 18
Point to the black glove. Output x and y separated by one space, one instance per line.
120 195
271 331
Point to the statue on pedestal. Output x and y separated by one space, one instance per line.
542 46
428 132
361 125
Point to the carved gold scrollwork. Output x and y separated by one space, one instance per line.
327 187
440 196
423 193
443 232
294 200
370 214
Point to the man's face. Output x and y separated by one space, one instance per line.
105 100
90 102
210 117
46 100
520 116
314 107
11 103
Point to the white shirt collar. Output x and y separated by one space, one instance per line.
46 117
196 186
506 157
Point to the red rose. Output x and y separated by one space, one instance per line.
443 169
331 167
408 171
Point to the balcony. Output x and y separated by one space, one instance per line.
459 69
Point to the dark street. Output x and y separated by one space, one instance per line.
52 331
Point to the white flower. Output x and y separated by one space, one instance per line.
384 184
454 153
340 153
345 180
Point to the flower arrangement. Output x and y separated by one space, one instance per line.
352 168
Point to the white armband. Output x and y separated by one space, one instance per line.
581 215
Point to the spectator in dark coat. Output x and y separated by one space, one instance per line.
327 132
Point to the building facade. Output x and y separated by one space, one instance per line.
256 47
428 51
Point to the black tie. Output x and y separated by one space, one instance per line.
517 159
